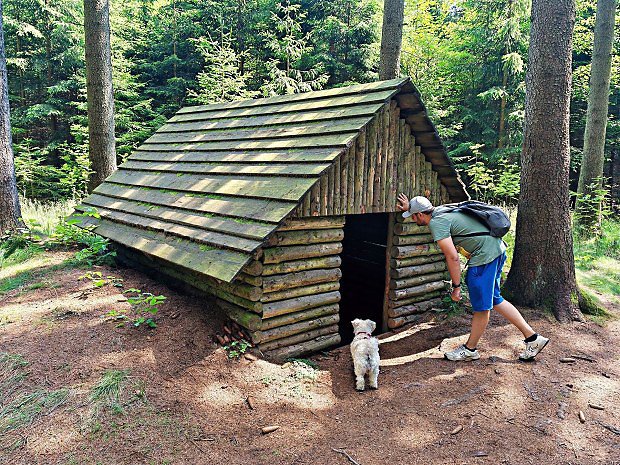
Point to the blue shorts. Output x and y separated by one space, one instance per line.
483 284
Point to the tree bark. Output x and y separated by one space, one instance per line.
10 212
591 174
391 39
543 268
100 96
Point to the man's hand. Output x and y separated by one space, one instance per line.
403 203
456 294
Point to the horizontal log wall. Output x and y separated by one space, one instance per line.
296 284
417 270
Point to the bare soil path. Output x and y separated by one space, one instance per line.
184 402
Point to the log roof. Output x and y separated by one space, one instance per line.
215 181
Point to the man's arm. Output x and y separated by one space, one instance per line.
454 264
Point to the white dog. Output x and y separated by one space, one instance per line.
365 353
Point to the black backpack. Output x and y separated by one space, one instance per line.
494 218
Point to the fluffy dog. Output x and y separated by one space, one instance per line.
365 353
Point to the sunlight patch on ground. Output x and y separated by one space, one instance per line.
434 352
295 384
126 358
63 436
408 332
34 264
414 431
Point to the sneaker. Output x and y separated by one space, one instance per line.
533 348
462 353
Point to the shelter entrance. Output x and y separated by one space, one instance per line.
362 285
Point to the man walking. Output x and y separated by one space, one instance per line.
456 232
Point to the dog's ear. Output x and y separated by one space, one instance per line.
373 325
356 323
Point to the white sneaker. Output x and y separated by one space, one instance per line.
533 348
462 353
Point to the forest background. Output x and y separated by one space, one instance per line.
466 57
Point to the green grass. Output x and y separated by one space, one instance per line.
43 217
19 405
14 282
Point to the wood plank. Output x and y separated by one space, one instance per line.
422 289
254 230
240 315
281 307
301 278
257 133
219 263
351 179
297 338
410 240
299 316
337 194
300 291
415 280
332 261
271 169
308 236
407 251
333 140
407 229
371 157
378 160
303 348
244 209
344 186
253 268
294 328
405 262
330 191
419 298
415 308
315 198
208 238
352 95
391 187
360 152
295 252
321 222
418 270
249 279
324 183
284 188
385 159
324 155
319 115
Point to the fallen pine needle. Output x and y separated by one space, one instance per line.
344 452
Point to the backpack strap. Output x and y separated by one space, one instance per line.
481 233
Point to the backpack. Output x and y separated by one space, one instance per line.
494 218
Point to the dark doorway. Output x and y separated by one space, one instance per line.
362 285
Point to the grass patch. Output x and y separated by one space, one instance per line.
20 405
43 217
14 282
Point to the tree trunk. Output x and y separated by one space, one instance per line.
10 212
101 149
543 268
391 39
591 174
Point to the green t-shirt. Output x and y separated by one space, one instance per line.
482 249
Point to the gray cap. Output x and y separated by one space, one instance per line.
418 204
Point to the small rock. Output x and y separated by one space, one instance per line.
174 315
498 371
582 417
596 406
250 357
606 375
250 401
480 453
568 360
269 429
457 430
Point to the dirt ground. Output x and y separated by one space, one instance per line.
185 402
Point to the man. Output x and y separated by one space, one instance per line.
453 232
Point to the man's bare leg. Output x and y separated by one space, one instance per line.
508 311
479 322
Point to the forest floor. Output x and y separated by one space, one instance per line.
77 389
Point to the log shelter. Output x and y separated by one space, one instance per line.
269 205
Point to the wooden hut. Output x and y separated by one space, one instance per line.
282 209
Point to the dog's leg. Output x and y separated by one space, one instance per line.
360 371
374 377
